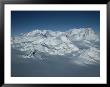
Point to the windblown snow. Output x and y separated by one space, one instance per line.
81 45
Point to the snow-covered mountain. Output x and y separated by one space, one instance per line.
82 43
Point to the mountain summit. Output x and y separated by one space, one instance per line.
80 43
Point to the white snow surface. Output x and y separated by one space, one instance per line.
82 43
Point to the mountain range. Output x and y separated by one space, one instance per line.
81 46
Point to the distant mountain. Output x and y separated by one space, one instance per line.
81 43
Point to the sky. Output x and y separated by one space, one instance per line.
26 21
